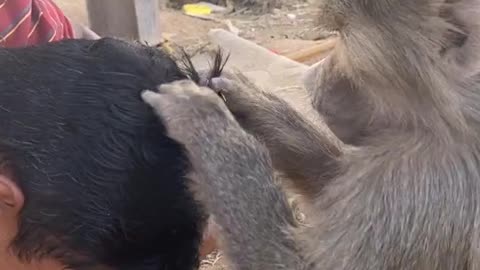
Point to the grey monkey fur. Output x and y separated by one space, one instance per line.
401 90
209 142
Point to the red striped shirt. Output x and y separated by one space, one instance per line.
31 22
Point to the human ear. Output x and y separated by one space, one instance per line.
11 197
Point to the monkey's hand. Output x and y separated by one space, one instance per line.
232 175
252 107
190 113
298 147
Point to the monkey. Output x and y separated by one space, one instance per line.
399 188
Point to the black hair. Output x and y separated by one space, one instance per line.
102 181
216 69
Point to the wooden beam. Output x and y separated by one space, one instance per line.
314 52
129 19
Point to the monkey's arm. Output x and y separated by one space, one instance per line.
233 177
298 147
235 181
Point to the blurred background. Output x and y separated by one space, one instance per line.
283 26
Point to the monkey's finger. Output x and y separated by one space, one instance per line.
182 88
165 106
176 87
224 85
234 80
151 98
159 102
204 77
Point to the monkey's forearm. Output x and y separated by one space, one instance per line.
298 147
236 184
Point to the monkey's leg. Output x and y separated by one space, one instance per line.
298 148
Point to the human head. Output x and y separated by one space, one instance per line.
88 176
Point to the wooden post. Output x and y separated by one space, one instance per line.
129 19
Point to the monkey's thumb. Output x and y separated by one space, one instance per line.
222 84
154 100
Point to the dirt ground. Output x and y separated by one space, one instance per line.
284 30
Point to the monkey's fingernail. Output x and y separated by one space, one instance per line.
222 96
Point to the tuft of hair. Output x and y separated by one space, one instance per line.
216 68
186 66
